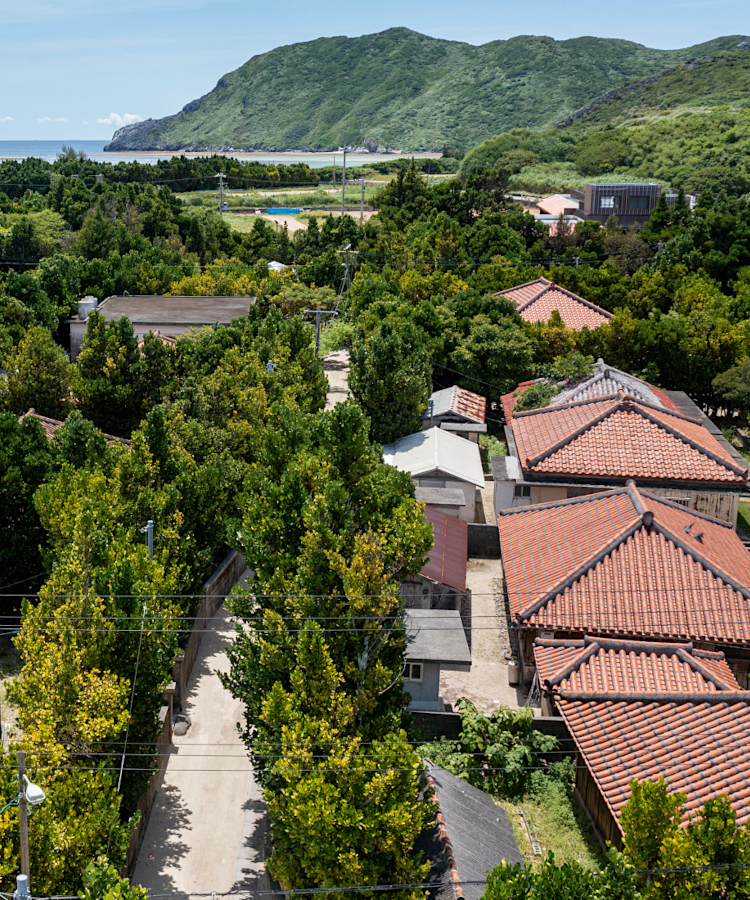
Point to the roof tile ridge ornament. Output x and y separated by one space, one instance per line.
547 287
676 697
711 567
445 838
702 670
732 466
574 435
571 405
582 570
639 503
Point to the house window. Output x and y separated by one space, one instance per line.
610 202
522 490
413 672
639 202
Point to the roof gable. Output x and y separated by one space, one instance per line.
619 437
436 451
457 401
537 300
626 562
598 665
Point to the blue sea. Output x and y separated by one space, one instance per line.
48 150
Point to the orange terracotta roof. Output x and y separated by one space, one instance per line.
602 665
447 559
626 562
508 401
169 340
699 743
460 402
649 711
617 437
555 205
537 300
50 426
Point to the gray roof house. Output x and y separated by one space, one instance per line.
167 315
438 459
470 837
435 640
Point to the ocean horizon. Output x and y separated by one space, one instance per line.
48 151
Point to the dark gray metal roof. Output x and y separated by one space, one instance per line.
435 635
153 310
479 831
440 496
688 407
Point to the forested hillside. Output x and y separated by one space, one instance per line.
403 90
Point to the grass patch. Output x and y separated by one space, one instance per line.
243 224
561 825
743 517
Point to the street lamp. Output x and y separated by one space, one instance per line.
29 794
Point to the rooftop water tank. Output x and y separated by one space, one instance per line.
86 306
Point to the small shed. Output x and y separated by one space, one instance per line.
447 500
457 410
441 583
438 459
435 640
471 835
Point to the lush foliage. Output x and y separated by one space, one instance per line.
495 752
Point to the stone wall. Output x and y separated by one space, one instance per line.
484 542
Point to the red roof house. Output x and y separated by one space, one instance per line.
629 564
51 425
537 300
645 711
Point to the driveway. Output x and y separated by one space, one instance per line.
336 367
208 830
486 683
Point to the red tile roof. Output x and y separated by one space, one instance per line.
460 402
619 437
602 665
649 711
626 562
537 300
447 558
50 426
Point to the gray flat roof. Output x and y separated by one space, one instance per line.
440 496
435 635
157 311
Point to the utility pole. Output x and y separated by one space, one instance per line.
319 314
23 815
221 176
343 184
362 204
346 256
334 171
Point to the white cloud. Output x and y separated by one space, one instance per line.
119 121
84 123
7 119
45 119
61 120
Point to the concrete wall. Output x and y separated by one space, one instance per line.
425 695
214 591
434 725
720 505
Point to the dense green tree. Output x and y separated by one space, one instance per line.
39 376
493 357
390 378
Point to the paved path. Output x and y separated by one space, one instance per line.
207 830
293 224
486 684
336 367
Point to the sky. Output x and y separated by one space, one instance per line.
79 69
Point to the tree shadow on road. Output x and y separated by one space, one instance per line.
162 849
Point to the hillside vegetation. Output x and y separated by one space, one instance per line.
403 90
666 131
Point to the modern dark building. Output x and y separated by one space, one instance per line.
631 203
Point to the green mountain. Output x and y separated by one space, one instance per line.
402 90
688 128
